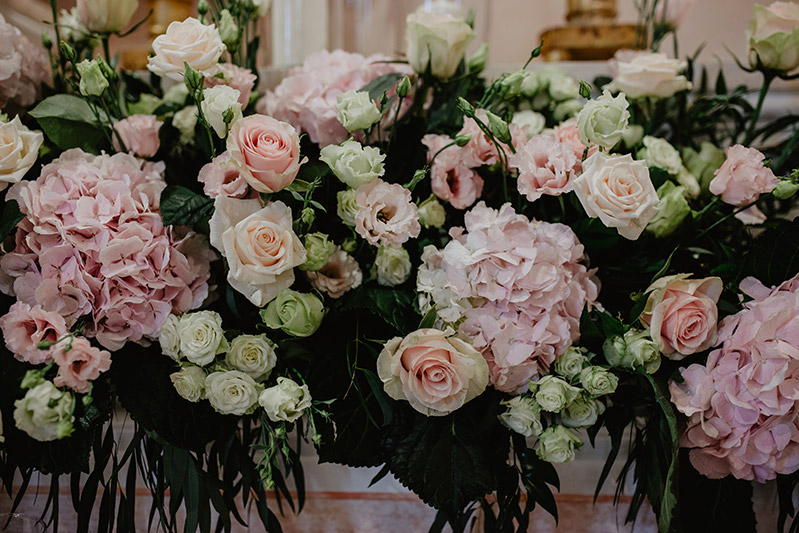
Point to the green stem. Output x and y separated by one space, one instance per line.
106 49
394 124
768 77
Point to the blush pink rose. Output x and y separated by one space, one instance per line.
433 370
546 166
221 177
339 275
743 177
386 213
241 79
451 179
79 364
267 152
24 327
682 314
139 134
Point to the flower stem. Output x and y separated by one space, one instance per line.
768 77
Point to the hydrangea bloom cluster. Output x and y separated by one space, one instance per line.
307 97
515 287
23 67
92 244
743 404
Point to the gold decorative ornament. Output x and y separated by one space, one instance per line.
591 33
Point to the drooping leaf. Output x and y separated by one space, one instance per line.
69 122
382 84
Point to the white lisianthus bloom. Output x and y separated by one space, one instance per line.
352 163
106 16
437 41
557 444
191 42
356 111
221 108
201 337
553 393
531 122
253 355
286 401
602 121
169 338
189 382
523 416
660 153
649 75
45 412
232 392
392 265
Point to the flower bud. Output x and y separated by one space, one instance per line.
404 87
221 108
67 52
193 79
511 85
189 382
202 7
466 108
228 30
92 81
349 244
672 210
499 128
308 215
462 140
47 42
785 190
477 63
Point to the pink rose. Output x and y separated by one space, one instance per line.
546 166
139 133
451 180
433 370
221 177
79 364
24 327
386 213
241 79
681 314
743 177
267 152
339 275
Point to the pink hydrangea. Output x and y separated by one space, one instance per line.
743 177
307 96
452 180
23 67
24 327
546 166
515 287
239 78
386 213
92 244
742 406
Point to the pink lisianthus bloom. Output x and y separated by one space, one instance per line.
222 177
241 79
546 166
480 150
24 327
743 177
79 363
451 180
568 132
341 274
139 133
386 213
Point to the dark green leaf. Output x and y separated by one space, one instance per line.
183 207
774 256
382 84
10 218
385 403
69 122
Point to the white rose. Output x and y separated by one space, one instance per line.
219 101
660 153
530 84
393 265
201 336
189 41
635 349
602 121
346 206
530 121
169 338
285 401
617 189
189 382
553 394
597 381
19 148
570 363
45 413
557 444
773 36
252 354
356 111
632 135
582 412
352 163
72 28
232 392
565 110
431 213
185 121
106 16
259 244
437 41
523 416
649 74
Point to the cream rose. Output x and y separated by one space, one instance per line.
346 206
597 381
570 363
259 244
296 313
431 213
437 41
773 36
582 412
602 121
201 337
232 392
253 355
189 382
286 401
617 189
19 148
522 415
191 42
221 108
352 163
266 150
660 153
649 75
169 338
553 393
106 16
392 265
433 370
45 413
185 121
681 314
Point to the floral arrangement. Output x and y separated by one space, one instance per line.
398 262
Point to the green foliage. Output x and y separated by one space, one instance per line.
183 207
774 255
393 306
69 122
382 84
9 218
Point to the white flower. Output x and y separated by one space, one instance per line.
347 207
565 110
582 412
189 382
261 6
530 84
232 392
221 108
563 87
660 153
393 265
597 381
201 336
570 363
773 36
431 213
352 163
437 41
603 120
169 338
632 135
185 121
557 444
617 189
530 121
553 394
285 401
72 28
649 74
689 181
189 41
19 148
635 349
106 16
356 111
252 354
176 94
523 416
45 413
